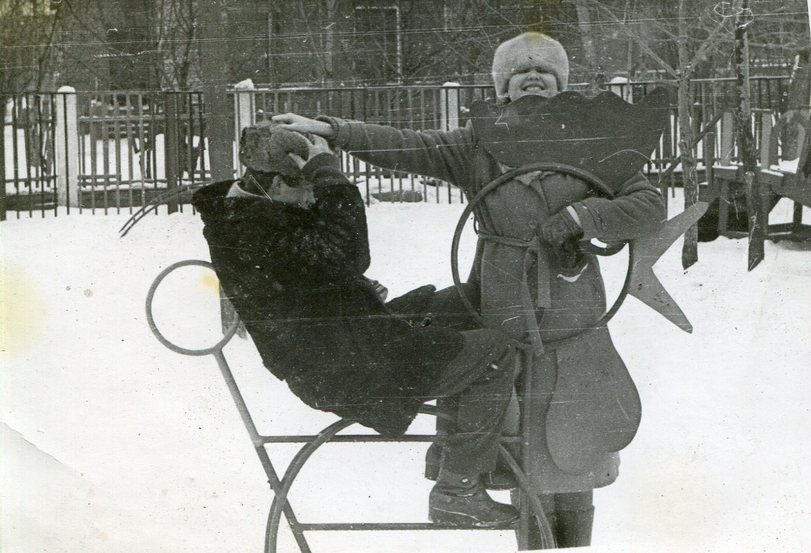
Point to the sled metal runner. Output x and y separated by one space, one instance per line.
280 485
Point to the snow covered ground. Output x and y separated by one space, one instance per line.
112 443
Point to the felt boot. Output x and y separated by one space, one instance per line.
533 532
461 500
499 479
573 528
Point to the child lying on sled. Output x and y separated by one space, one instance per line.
289 243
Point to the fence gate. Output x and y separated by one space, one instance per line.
27 154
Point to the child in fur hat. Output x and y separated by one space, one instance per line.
581 386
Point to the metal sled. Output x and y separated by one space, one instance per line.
529 503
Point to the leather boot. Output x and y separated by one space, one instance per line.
499 479
573 528
461 500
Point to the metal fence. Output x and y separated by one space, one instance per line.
101 150
116 150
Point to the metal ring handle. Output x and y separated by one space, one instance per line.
150 296
591 248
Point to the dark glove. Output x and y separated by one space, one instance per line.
559 229
381 291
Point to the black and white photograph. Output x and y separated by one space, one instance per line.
413 276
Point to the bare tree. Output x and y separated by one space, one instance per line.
176 24
25 44
28 29
699 32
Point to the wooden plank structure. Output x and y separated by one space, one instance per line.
777 175
751 189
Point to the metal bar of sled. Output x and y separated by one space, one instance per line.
392 526
363 438
273 478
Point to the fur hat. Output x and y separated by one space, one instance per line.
264 147
525 51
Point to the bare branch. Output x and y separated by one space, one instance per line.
638 38
715 38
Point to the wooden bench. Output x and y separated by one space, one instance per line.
778 177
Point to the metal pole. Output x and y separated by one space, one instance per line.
261 452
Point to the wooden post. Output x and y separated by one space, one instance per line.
214 59
219 129
66 148
170 143
768 147
449 106
244 111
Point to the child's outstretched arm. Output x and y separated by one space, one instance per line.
443 155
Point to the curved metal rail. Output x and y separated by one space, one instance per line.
281 487
150 297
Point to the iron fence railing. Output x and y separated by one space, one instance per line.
116 150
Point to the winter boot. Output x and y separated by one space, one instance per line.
573 528
499 479
533 532
461 500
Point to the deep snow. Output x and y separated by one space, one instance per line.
112 443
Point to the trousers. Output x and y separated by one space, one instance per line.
479 381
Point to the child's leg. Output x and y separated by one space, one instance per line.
480 377
446 310
480 381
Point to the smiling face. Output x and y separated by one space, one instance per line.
532 82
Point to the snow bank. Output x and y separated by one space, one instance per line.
113 443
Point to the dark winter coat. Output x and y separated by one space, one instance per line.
586 406
295 276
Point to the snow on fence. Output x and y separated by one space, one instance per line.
115 150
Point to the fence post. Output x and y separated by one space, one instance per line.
170 145
244 110
449 106
621 86
727 138
67 148
767 157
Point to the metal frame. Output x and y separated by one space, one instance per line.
529 505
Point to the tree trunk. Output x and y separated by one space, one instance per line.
587 40
214 62
689 254
799 95
329 43
755 200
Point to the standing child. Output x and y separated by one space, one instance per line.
534 283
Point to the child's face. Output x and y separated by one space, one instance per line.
532 82
301 195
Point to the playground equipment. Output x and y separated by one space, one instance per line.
311 443
779 175
763 185
640 282
601 160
